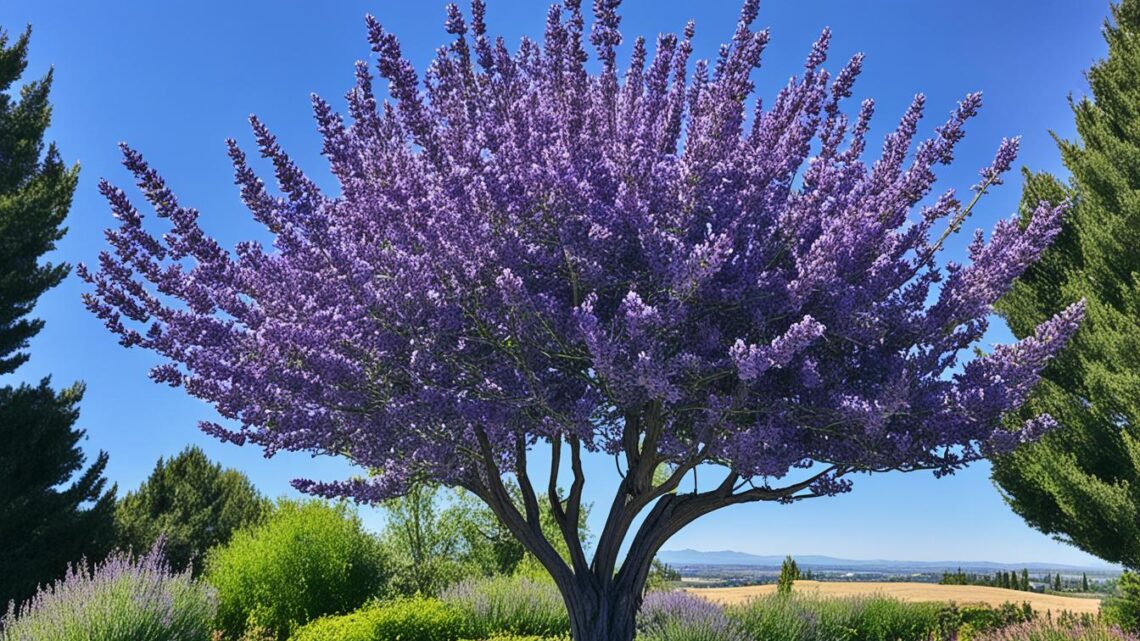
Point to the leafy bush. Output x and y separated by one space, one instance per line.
526 637
308 559
966 622
1054 631
415 619
799 617
515 605
1123 609
122 598
679 616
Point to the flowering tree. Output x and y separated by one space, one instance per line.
523 252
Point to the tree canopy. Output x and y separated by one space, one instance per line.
1082 483
644 263
49 517
192 504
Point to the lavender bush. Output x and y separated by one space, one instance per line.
1042 630
122 599
515 605
679 616
800 617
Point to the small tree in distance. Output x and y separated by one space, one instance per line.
789 574
526 254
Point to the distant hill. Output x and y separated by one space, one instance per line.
731 557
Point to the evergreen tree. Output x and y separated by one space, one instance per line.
1084 582
789 573
190 502
1082 483
1024 580
1057 582
48 516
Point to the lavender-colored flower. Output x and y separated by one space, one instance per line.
522 251
680 616
121 598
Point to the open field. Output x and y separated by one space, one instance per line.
961 594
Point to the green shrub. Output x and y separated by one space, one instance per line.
527 637
414 619
965 623
515 605
307 560
1123 609
122 599
802 617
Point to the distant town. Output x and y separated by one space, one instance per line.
730 568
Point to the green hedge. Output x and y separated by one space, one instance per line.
414 619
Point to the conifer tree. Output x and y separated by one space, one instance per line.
193 504
1082 483
48 517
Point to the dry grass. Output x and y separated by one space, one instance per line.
960 594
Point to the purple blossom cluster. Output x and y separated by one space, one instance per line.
523 250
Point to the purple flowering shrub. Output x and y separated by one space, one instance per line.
1043 630
808 617
514 605
680 616
647 262
138 599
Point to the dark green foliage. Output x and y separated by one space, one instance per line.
48 519
789 573
1082 483
190 502
306 560
415 619
35 194
1123 609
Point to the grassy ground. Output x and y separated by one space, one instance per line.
961 594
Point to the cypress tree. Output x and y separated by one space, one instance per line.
1081 483
49 517
1024 587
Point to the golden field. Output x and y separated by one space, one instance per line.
960 594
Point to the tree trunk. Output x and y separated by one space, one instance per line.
608 614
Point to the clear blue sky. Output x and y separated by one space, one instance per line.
176 78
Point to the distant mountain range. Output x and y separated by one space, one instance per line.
733 558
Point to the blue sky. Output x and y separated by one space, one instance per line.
175 79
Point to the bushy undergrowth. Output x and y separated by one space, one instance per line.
415 619
1041 630
307 560
680 616
515 605
122 599
798 617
